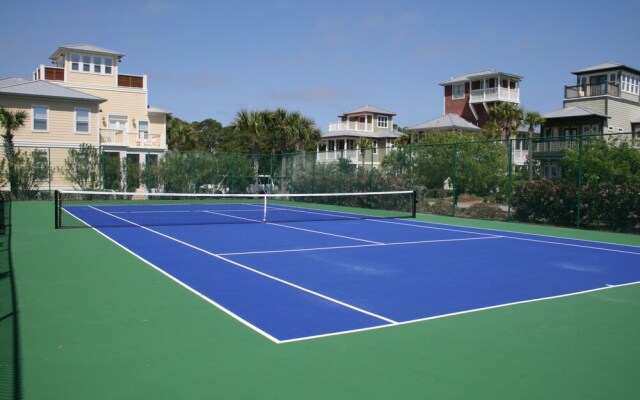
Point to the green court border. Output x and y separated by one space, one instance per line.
98 323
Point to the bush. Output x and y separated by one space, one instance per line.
606 206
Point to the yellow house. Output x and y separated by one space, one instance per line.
82 97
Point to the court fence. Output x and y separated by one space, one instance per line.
588 182
10 358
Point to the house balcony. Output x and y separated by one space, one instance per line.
350 126
495 94
355 156
599 89
114 137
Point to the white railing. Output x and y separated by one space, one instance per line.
355 156
350 126
519 156
115 137
495 94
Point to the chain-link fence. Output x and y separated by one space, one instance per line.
10 362
581 181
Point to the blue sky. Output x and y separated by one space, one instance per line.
210 59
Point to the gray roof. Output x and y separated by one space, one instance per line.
85 48
359 134
446 122
478 75
605 67
368 109
157 110
23 87
572 112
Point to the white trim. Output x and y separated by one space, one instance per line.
33 118
75 128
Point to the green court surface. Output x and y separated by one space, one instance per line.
98 323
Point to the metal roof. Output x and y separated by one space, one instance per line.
572 112
607 66
446 122
23 87
368 109
157 110
477 75
87 48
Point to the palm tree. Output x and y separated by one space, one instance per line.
531 119
508 116
364 144
10 121
254 125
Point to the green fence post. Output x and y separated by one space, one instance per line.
579 197
454 180
510 183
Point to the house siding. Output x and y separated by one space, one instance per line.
61 123
91 79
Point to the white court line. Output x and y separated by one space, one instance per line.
607 287
507 236
357 246
291 284
300 229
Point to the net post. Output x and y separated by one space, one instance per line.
415 204
56 205
264 215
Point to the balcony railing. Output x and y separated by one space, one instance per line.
114 137
355 156
495 94
599 89
350 126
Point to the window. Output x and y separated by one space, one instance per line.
383 121
75 62
82 120
612 77
40 164
97 64
40 118
374 149
143 128
86 63
630 83
332 145
108 63
457 91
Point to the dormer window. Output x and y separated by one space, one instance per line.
97 65
383 121
108 64
75 62
86 63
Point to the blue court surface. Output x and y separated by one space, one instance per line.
307 279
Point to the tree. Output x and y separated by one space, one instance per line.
252 125
181 135
508 116
10 121
531 119
208 133
364 144
82 167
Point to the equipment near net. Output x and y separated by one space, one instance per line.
119 209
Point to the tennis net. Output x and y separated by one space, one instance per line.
117 209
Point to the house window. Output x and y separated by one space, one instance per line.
374 149
82 120
108 64
97 65
457 91
86 63
75 62
118 122
143 128
40 118
630 83
332 145
40 164
383 121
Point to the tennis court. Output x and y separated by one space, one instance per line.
292 272
98 322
